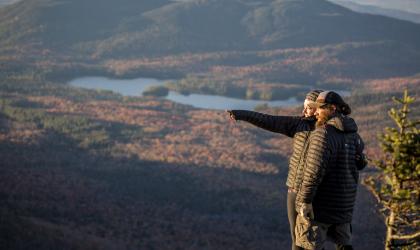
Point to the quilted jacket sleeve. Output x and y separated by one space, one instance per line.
286 125
316 162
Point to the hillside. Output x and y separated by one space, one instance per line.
259 49
128 173
130 28
67 24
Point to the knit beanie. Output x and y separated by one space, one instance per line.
313 94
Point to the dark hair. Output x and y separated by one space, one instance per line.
327 98
344 109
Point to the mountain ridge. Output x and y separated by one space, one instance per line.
165 27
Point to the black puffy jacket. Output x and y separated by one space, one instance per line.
331 170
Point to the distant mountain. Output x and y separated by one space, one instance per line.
68 24
128 27
370 9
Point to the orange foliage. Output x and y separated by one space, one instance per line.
393 84
197 137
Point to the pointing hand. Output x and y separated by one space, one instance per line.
231 115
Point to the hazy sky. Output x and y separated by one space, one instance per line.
406 5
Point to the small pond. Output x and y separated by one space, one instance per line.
135 87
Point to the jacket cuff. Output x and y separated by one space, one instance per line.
240 114
362 162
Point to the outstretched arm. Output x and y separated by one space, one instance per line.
286 125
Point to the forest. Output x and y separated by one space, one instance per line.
142 172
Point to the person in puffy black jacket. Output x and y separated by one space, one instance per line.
331 171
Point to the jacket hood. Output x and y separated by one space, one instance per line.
343 123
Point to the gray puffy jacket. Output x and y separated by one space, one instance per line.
298 128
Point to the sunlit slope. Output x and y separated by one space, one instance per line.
127 28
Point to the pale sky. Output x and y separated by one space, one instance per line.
406 5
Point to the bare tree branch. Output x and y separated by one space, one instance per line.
406 237
407 222
377 196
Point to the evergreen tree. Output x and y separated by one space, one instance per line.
397 187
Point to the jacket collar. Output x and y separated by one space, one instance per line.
343 123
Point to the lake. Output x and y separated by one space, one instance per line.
135 87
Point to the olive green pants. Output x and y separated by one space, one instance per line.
319 233
292 214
